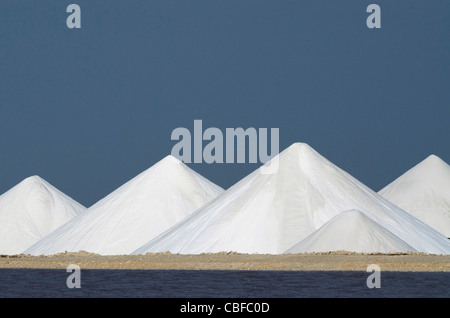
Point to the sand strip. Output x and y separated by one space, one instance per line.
232 261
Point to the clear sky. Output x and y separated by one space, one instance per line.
88 109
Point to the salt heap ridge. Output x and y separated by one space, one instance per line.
270 213
424 192
351 231
134 213
31 210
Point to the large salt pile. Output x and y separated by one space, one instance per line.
351 231
270 213
424 191
134 213
31 210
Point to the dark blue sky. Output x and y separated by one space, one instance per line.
88 109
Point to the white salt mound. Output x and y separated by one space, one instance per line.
351 231
424 192
31 210
270 213
134 213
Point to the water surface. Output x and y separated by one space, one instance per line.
221 284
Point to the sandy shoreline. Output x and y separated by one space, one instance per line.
233 261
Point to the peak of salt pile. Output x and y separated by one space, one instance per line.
269 213
424 192
351 231
31 210
134 213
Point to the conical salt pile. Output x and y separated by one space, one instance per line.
270 213
424 191
351 231
134 213
31 210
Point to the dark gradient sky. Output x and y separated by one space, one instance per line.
89 109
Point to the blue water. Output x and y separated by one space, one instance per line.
220 284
